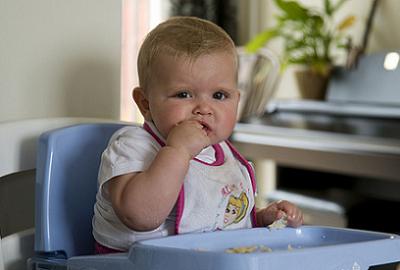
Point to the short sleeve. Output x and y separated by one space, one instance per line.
130 149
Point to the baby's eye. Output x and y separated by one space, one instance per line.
183 94
220 95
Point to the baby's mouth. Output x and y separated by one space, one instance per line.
206 127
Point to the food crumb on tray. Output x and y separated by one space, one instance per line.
253 249
278 224
249 249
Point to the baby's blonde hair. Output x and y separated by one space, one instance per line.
181 36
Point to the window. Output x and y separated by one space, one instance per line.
138 18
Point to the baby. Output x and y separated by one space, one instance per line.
179 173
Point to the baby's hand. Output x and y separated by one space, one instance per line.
188 136
278 210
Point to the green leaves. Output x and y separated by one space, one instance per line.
328 7
292 10
308 34
260 40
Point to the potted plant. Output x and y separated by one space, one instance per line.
310 38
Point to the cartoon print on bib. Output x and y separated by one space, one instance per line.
236 209
234 205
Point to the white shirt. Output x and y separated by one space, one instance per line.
130 149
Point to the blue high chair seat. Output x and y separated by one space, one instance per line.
66 184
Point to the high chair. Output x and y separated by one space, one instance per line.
66 184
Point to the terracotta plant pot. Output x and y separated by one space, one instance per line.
311 84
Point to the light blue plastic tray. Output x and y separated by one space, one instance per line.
308 247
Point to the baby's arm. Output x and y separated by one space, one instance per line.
277 210
144 200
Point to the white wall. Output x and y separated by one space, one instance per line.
59 58
383 36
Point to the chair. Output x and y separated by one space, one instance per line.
18 140
66 184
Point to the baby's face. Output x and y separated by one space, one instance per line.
203 89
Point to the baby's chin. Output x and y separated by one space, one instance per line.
215 139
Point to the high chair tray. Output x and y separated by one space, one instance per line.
307 247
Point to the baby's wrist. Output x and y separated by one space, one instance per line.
179 152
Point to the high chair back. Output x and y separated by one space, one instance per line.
18 144
66 184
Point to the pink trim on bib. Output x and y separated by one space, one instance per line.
153 134
180 203
251 172
100 249
219 156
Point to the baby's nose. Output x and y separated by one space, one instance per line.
202 108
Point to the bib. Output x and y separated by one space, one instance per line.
217 195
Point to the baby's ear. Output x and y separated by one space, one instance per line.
142 102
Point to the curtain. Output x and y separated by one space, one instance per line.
221 12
